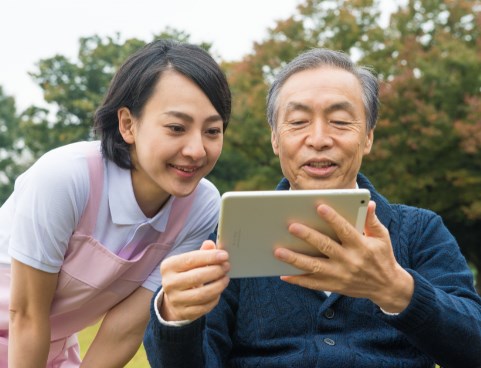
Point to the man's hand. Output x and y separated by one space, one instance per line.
360 265
192 282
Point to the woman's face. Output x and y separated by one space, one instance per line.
174 143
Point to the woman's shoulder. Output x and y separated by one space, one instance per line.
63 171
206 187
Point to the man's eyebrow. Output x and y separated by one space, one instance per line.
337 106
189 119
341 106
297 106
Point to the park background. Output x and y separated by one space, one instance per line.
427 55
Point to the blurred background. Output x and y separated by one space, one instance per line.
427 54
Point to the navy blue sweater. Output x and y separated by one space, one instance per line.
265 322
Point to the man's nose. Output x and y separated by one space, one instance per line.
319 136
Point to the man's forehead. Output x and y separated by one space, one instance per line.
325 74
323 82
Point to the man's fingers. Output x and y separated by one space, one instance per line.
303 262
194 259
321 242
192 303
205 293
195 277
343 229
208 244
374 227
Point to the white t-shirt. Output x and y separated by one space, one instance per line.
38 219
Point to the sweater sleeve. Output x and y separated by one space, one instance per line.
173 346
205 342
443 318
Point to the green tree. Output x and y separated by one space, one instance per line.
428 140
11 145
73 89
428 137
427 150
334 24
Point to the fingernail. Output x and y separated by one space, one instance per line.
281 253
323 209
222 256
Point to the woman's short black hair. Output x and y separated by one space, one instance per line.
134 84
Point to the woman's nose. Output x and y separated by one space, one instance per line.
194 147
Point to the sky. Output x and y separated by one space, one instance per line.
31 30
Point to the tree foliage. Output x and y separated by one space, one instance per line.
427 149
10 145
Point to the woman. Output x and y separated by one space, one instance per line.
84 232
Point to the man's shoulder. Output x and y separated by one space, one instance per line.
407 215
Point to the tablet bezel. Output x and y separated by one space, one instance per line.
253 223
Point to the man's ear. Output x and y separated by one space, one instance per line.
274 142
369 142
126 124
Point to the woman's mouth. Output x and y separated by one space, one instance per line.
185 171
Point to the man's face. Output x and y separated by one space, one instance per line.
320 134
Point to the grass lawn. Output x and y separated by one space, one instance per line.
86 336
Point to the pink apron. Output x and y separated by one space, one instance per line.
93 279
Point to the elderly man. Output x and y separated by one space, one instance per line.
399 295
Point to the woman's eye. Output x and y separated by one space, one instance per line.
176 128
214 131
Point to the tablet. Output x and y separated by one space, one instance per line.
253 223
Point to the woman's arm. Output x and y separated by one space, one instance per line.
121 332
32 292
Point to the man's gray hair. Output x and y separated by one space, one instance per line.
319 57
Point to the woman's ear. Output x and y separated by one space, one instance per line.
126 125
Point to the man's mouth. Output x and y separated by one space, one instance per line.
321 165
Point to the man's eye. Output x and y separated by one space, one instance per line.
298 122
340 122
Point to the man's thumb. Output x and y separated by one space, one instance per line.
207 245
373 226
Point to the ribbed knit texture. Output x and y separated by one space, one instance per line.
265 322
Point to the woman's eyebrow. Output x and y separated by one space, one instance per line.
189 119
180 115
213 118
